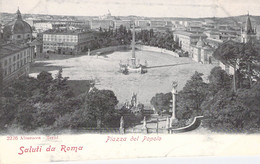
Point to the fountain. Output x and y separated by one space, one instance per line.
133 67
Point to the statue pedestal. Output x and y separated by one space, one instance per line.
122 130
173 121
144 130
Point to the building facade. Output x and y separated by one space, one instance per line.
15 59
66 41
104 24
202 53
125 23
143 24
186 39
158 23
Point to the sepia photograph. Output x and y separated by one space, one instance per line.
88 80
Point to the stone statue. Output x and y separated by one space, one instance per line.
144 123
174 86
88 52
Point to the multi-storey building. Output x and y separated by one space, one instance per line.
16 52
125 23
143 24
15 59
158 23
66 41
44 25
186 39
202 53
104 24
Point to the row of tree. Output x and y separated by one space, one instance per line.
243 58
122 36
228 102
48 103
157 39
110 37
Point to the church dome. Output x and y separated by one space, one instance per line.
18 26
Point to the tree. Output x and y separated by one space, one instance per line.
14 98
151 33
249 66
45 80
218 79
1 86
243 57
193 94
226 112
101 105
161 102
24 118
100 29
229 53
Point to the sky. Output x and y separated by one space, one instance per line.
147 8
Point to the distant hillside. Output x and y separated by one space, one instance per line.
254 19
224 20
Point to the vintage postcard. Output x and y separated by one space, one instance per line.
84 80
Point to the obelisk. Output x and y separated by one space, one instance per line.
133 48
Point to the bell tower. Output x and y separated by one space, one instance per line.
248 33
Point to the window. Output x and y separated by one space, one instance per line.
10 69
18 36
18 56
14 67
17 65
14 58
5 72
5 62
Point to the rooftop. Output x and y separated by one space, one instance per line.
11 48
214 40
65 32
189 33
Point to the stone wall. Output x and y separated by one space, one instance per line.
128 47
110 49
157 49
194 125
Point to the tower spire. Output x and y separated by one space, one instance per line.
19 16
248 27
